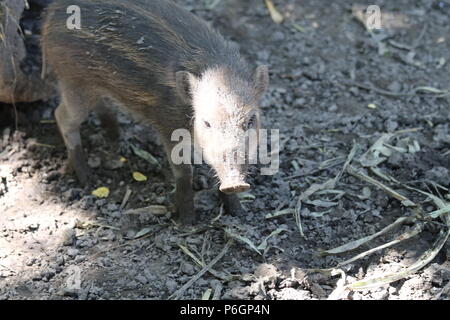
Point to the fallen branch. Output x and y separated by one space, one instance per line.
177 294
330 184
405 201
437 92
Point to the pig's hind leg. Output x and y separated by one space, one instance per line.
108 120
70 114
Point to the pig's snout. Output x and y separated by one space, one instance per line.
230 171
233 183
230 188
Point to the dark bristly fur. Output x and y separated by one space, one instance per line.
138 44
148 56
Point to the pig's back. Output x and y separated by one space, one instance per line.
132 45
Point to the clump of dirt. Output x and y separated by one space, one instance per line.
334 85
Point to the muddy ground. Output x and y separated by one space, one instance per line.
58 241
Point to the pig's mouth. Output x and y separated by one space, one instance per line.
231 174
230 188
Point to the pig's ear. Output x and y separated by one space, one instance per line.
261 80
185 82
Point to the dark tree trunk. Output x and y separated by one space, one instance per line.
17 85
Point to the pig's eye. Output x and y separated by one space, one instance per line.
207 124
252 122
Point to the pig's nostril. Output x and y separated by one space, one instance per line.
229 189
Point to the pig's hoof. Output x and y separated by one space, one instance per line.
83 174
234 210
68 170
232 205
186 218
79 165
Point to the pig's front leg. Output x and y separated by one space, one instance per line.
184 193
231 204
